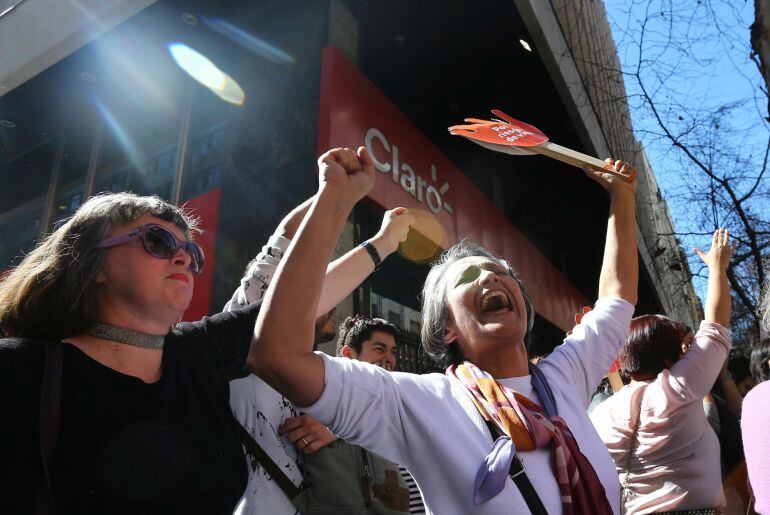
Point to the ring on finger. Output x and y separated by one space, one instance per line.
305 441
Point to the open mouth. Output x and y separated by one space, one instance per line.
494 302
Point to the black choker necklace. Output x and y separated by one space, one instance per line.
123 335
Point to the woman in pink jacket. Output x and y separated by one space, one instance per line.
666 454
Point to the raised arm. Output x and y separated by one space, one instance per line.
588 352
261 269
718 302
282 347
620 268
342 275
345 274
701 364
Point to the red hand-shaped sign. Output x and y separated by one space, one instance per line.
511 136
507 131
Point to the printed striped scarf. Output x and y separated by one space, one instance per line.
527 428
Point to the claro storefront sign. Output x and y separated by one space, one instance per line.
412 172
404 175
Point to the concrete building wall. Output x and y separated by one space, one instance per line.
574 39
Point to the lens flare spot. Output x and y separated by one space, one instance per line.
426 239
200 68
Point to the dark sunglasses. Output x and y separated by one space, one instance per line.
161 243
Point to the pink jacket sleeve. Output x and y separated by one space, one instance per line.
694 374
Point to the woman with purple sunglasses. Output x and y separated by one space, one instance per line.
107 403
133 413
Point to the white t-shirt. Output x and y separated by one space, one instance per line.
262 410
429 424
259 408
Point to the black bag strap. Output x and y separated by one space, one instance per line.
258 453
50 405
518 474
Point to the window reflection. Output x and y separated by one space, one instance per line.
138 150
25 178
206 160
73 167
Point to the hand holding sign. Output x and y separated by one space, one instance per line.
511 136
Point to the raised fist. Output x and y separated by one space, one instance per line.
346 173
395 226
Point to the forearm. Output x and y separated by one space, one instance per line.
282 348
615 381
718 305
620 269
291 222
345 274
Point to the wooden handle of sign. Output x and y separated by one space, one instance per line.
574 158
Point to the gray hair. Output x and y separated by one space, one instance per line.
435 312
53 292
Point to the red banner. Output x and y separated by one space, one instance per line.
206 208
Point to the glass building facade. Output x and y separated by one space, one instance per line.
217 106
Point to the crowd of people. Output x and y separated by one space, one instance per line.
108 404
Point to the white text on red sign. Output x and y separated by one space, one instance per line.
405 176
509 133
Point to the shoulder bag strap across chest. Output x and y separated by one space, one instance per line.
50 405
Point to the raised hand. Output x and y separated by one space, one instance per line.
394 229
612 182
306 433
347 173
718 303
718 256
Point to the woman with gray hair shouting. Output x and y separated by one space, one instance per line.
491 416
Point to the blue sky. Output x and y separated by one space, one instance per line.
695 63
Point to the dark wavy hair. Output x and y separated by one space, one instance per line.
760 353
53 292
740 367
652 341
355 330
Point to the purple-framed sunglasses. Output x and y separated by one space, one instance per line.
161 243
